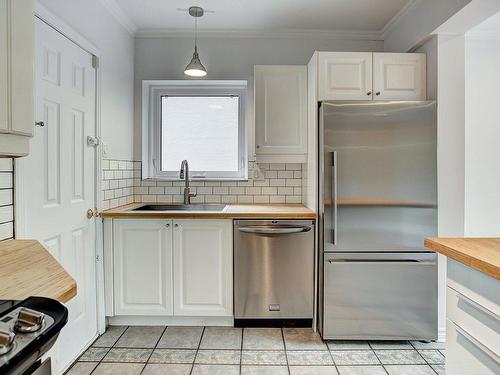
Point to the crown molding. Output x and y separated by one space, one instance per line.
116 11
396 19
251 33
376 35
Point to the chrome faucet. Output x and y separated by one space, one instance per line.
184 175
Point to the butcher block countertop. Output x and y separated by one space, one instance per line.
28 269
482 254
231 211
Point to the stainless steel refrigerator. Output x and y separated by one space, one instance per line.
377 203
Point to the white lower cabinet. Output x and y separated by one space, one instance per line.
203 262
473 322
143 267
164 267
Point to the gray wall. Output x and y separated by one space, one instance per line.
419 22
430 48
226 58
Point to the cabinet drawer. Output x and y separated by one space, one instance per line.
466 355
474 318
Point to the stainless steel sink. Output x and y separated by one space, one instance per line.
182 207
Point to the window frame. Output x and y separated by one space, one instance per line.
152 93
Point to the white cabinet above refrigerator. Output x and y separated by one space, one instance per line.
371 76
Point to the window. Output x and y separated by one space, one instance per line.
202 122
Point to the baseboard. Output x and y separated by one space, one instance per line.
171 320
441 334
273 323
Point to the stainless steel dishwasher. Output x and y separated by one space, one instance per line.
273 272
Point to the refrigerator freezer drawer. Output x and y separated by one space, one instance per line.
380 296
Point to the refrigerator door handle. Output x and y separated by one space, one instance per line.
334 198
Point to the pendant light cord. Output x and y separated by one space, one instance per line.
195 34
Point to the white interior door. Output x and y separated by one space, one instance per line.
58 178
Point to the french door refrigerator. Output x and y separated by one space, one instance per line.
377 203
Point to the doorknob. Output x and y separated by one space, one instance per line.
92 213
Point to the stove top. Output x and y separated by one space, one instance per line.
6 304
28 329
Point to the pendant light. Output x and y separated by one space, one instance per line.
195 68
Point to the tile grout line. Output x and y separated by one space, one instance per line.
376 355
428 364
426 361
197 349
152 351
286 352
331 355
109 349
241 347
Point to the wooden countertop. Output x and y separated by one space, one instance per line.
482 254
231 211
28 269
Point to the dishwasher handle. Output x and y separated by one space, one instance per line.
274 230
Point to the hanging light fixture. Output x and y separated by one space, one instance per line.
195 68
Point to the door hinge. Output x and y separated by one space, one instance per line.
95 62
92 141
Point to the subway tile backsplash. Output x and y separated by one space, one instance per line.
6 199
277 183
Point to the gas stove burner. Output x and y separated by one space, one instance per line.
29 321
28 329
6 341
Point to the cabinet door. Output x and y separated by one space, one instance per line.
203 260
345 76
22 66
399 76
143 267
465 355
280 109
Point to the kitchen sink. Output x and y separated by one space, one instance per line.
181 207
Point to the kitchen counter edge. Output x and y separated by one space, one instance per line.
47 278
481 254
231 211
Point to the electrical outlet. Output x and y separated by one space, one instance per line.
104 148
258 175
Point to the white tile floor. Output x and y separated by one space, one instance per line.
249 351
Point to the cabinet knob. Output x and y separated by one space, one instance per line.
377 93
176 225
258 146
40 123
369 93
167 225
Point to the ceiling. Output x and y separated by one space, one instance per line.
262 15
492 24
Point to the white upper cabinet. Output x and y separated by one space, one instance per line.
143 267
280 113
16 76
399 76
203 268
371 76
345 76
